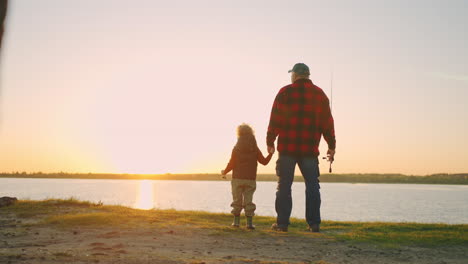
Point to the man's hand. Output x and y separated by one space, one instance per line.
331 155
271 150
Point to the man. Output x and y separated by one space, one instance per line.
300 116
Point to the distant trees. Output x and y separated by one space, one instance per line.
440 178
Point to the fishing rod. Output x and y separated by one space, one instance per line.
328 157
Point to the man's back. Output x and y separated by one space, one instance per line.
299 116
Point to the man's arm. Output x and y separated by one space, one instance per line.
274 124
328 127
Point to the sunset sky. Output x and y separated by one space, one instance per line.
160 86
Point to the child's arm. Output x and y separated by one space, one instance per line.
261 159
231 163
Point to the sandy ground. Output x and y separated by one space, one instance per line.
21 242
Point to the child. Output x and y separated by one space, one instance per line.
243 164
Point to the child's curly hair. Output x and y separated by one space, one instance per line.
244 130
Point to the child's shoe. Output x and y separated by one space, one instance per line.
249 223
236 222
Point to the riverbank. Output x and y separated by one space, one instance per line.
461 178
70 231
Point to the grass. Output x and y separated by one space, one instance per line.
29 209
71 213
395 234
440 178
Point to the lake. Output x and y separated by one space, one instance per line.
340 201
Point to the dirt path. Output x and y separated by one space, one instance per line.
21 241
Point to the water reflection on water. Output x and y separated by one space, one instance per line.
145 197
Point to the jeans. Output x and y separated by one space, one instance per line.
285 167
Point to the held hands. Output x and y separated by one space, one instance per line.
223 175
271 150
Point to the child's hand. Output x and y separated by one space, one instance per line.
271 150
223 174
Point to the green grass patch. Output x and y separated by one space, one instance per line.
29 208
395 234
72 213
84 219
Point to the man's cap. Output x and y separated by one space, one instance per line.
301 69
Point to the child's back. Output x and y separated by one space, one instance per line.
246 152
243 164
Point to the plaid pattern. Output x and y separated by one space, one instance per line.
300 116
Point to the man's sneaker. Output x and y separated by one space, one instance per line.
315 228
276 227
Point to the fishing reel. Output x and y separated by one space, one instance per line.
329 159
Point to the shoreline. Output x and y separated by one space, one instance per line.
272 217
446 179
72 231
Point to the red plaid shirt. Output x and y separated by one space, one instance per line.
300 116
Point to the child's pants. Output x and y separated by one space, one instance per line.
242 196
